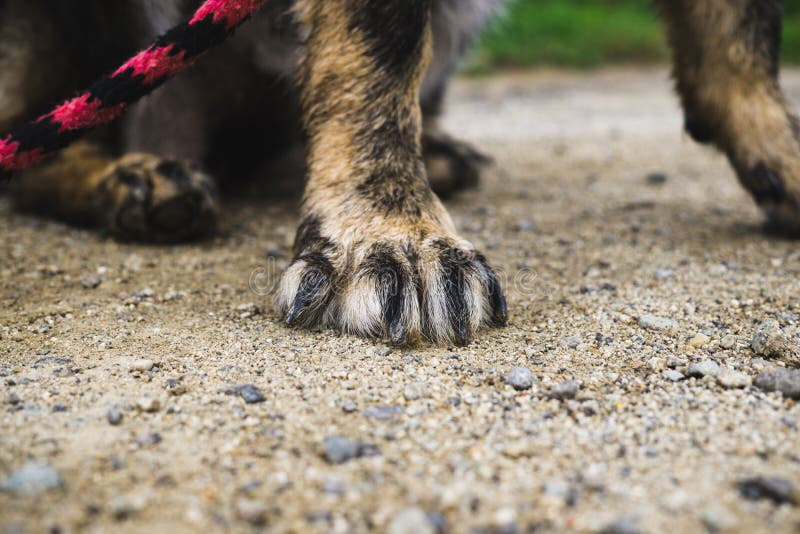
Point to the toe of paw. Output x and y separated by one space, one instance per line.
305 291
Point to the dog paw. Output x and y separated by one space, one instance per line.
404 289
147 198
452 165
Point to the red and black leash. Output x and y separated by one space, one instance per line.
177 49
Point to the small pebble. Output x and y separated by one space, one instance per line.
114 417
623 525
349 407
382 413
383 352
148 404
411 521
771 341
33 478
525 226
149 439
252 511
520 378
653 322
339 449
571 342
175 387
699 340
251 394
778 490
90 281
787 381
124 506
656 178
414 392
728 342
704 368
734 379
142 365
664 274
673 376
674 361
566 390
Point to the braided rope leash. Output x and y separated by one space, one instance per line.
174 51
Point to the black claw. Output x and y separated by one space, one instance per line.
311 295
455 289
394 300
397 333
391 283
496 296
462 330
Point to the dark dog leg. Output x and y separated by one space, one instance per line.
727 63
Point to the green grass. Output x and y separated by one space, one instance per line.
589 33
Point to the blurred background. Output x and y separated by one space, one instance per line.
589 33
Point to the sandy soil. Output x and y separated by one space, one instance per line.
587 241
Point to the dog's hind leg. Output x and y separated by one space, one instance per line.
50 49
137 197
727 57
452 165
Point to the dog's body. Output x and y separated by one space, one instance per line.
354 86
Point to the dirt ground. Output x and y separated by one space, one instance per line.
123 365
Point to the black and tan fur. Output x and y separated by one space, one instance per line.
356 87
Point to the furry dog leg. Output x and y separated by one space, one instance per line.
727 57
376 253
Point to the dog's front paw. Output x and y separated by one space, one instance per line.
416 285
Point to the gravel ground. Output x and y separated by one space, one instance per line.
149 389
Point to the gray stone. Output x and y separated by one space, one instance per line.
33 478
382 413
653 322
148 404
142 365
349 407
520 378
767 333
339 449
90 281
623 525
252 511
566 390
657 178
571 342
114 417
411 521
779 379
769 340
734 379
704 368
383 352
125 506
778 490
148 440
414 392
251 394
728 342
664 274
673 375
